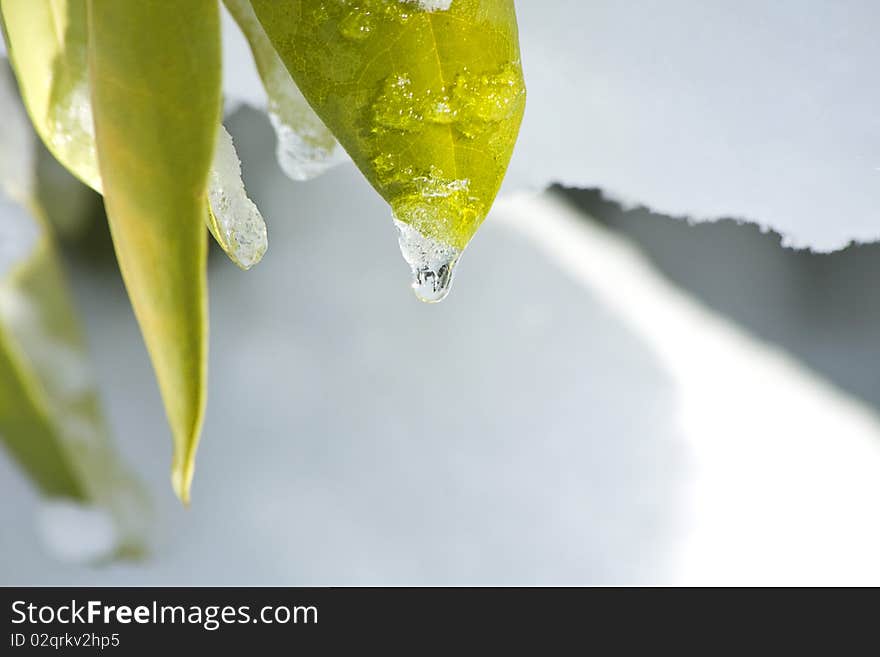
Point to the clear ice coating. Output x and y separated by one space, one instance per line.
430 5
242 231
472 103
305 148
432 262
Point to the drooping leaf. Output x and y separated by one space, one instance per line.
47 42
305 147
426 97
156 96
50 419
49 39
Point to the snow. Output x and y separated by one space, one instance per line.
760 429
754 110
565 417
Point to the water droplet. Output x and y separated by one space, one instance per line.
432 262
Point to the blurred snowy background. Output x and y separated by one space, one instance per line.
607 396
543 425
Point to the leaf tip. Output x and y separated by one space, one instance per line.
181 479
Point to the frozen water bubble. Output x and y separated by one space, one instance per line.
432 262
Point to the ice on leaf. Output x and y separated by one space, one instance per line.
703 110
430 5
234 220
426 97
432 262
305 147
63 117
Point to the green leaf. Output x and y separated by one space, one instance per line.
50 419
155 71
47 42
305 147
428 103
49 46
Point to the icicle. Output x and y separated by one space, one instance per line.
432 262
236 222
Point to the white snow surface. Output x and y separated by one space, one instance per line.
760 111
565 417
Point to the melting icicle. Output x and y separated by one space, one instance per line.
307 150
431 204
305 147
238 224
432 262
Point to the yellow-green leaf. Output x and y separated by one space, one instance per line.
305 147
47 42
155 71
426 97
49 45
50 419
